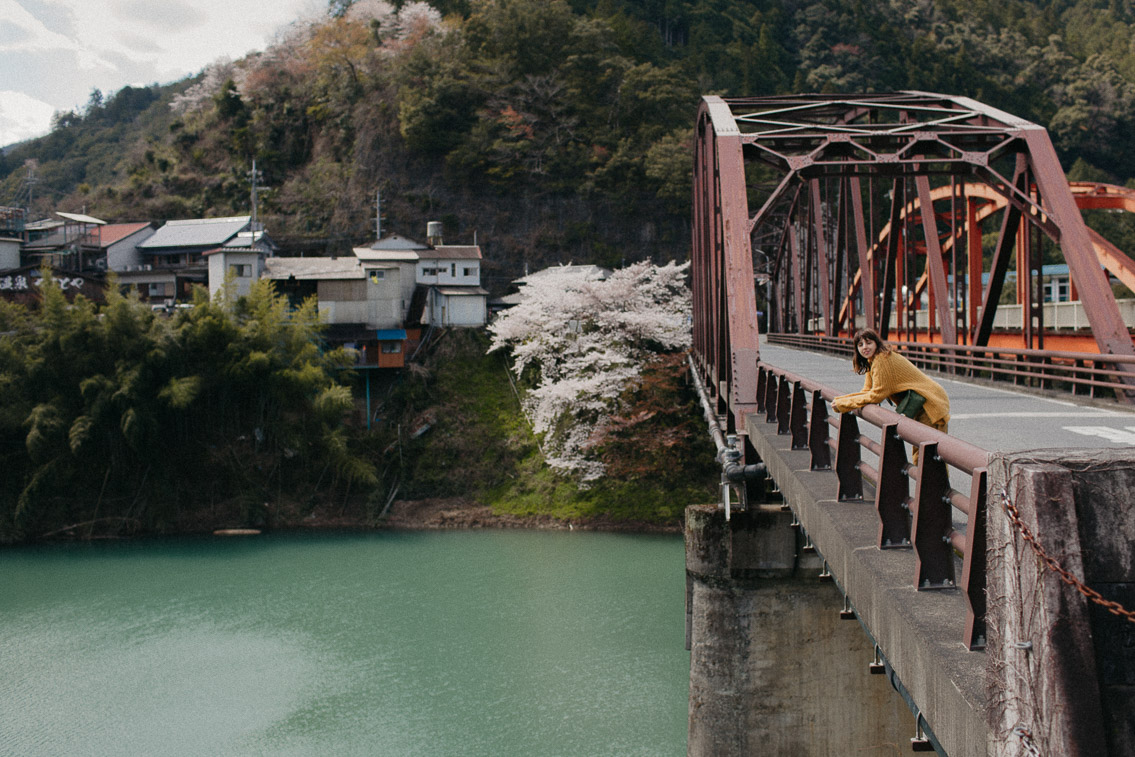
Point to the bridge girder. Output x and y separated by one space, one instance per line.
833 177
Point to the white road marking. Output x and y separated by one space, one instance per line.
1117 435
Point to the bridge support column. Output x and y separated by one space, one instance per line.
1062 665
774 670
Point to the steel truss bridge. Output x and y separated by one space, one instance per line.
815 215
835 212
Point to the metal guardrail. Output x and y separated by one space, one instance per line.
1080 373
923 521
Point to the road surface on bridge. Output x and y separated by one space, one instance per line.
990 417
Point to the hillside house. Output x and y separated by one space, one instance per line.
173 259
58 242
114 246
378 299
446 279
362 306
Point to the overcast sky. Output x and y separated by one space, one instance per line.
54 52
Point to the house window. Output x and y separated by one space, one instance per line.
432 271
391 348
158 290
377 276
241 270
452 269
469 271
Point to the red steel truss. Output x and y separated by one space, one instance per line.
844 211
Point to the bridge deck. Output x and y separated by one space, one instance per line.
993 418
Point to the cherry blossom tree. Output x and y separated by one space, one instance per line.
583 342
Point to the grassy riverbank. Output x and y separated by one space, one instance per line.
480 455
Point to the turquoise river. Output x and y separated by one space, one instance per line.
437 644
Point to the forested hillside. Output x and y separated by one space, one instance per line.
555 130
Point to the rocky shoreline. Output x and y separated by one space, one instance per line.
458 512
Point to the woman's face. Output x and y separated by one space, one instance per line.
866 348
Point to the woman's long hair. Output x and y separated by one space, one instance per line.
858 362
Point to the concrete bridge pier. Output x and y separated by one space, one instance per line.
774 668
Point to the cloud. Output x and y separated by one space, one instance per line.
22 117
160 16
55 52
24 33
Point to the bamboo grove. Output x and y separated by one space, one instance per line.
116 419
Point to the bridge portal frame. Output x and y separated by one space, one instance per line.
846 225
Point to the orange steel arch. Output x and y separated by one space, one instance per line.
1088 196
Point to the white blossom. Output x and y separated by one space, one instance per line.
587 342
200 94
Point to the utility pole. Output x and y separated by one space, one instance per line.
377 214
255 176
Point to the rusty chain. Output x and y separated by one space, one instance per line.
1026 737
1094 596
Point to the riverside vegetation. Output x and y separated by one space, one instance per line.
119 421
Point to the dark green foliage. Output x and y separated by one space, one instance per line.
153 422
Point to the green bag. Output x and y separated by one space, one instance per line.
909 403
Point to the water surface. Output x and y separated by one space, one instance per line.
407 643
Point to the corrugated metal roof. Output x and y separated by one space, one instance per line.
196 232
452 252
387 256
42 224
313 269
78 218
395 243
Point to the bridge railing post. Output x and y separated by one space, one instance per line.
847 458
932 522
892 493
974 563
762 381
783 409
771 394
818 434
799 418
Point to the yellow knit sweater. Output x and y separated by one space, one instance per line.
889 374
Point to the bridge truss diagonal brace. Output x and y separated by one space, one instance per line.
1083 264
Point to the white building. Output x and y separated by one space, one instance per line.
439 284
243 257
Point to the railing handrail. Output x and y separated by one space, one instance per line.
923 522
1044 367
963 348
